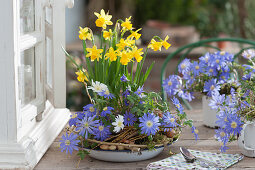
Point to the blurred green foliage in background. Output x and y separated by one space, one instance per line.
210 17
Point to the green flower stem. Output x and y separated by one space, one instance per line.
92 35
132 71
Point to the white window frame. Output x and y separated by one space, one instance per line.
24 142
34 40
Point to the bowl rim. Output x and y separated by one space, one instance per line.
144 149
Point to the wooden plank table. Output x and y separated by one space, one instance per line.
54 159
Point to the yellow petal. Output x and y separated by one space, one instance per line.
97 14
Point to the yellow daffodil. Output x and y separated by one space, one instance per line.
81 76
130 42
135 34
127 24
137 53
84 33
122 44
107 34
94 53
125 58
103 19
155 45
111 54
165 43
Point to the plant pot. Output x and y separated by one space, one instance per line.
127 155
124 155
209 115
246 140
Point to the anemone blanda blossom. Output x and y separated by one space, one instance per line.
171 84
140 92
177 104
124 78
87 126
185 94
74 118
204 59
195 132
102 132
106 94
169 121
90 110
184 66
129 119
216 61
217 100
149 124
221 135
210 86
118 124
107 110
221 118
234 124
196 68
69 143
248 54
223 147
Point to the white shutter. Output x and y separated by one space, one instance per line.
55 58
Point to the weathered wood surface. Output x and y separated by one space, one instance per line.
54 159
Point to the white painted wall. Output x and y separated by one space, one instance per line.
75 17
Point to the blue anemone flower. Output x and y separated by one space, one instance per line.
106 94
247 76
195 132
87 126
223 147
217 100
69 143
169 121
185 95
102 132
224 77
177 104
126 93
210 86
196 68
124 78
89 110
129 119
74 118
184 66
248 54
106 110
211 71
171 84
140 92
234 124
204 60
222 118
149 124
221 135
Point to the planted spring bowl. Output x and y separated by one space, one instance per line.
124 155
127 155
